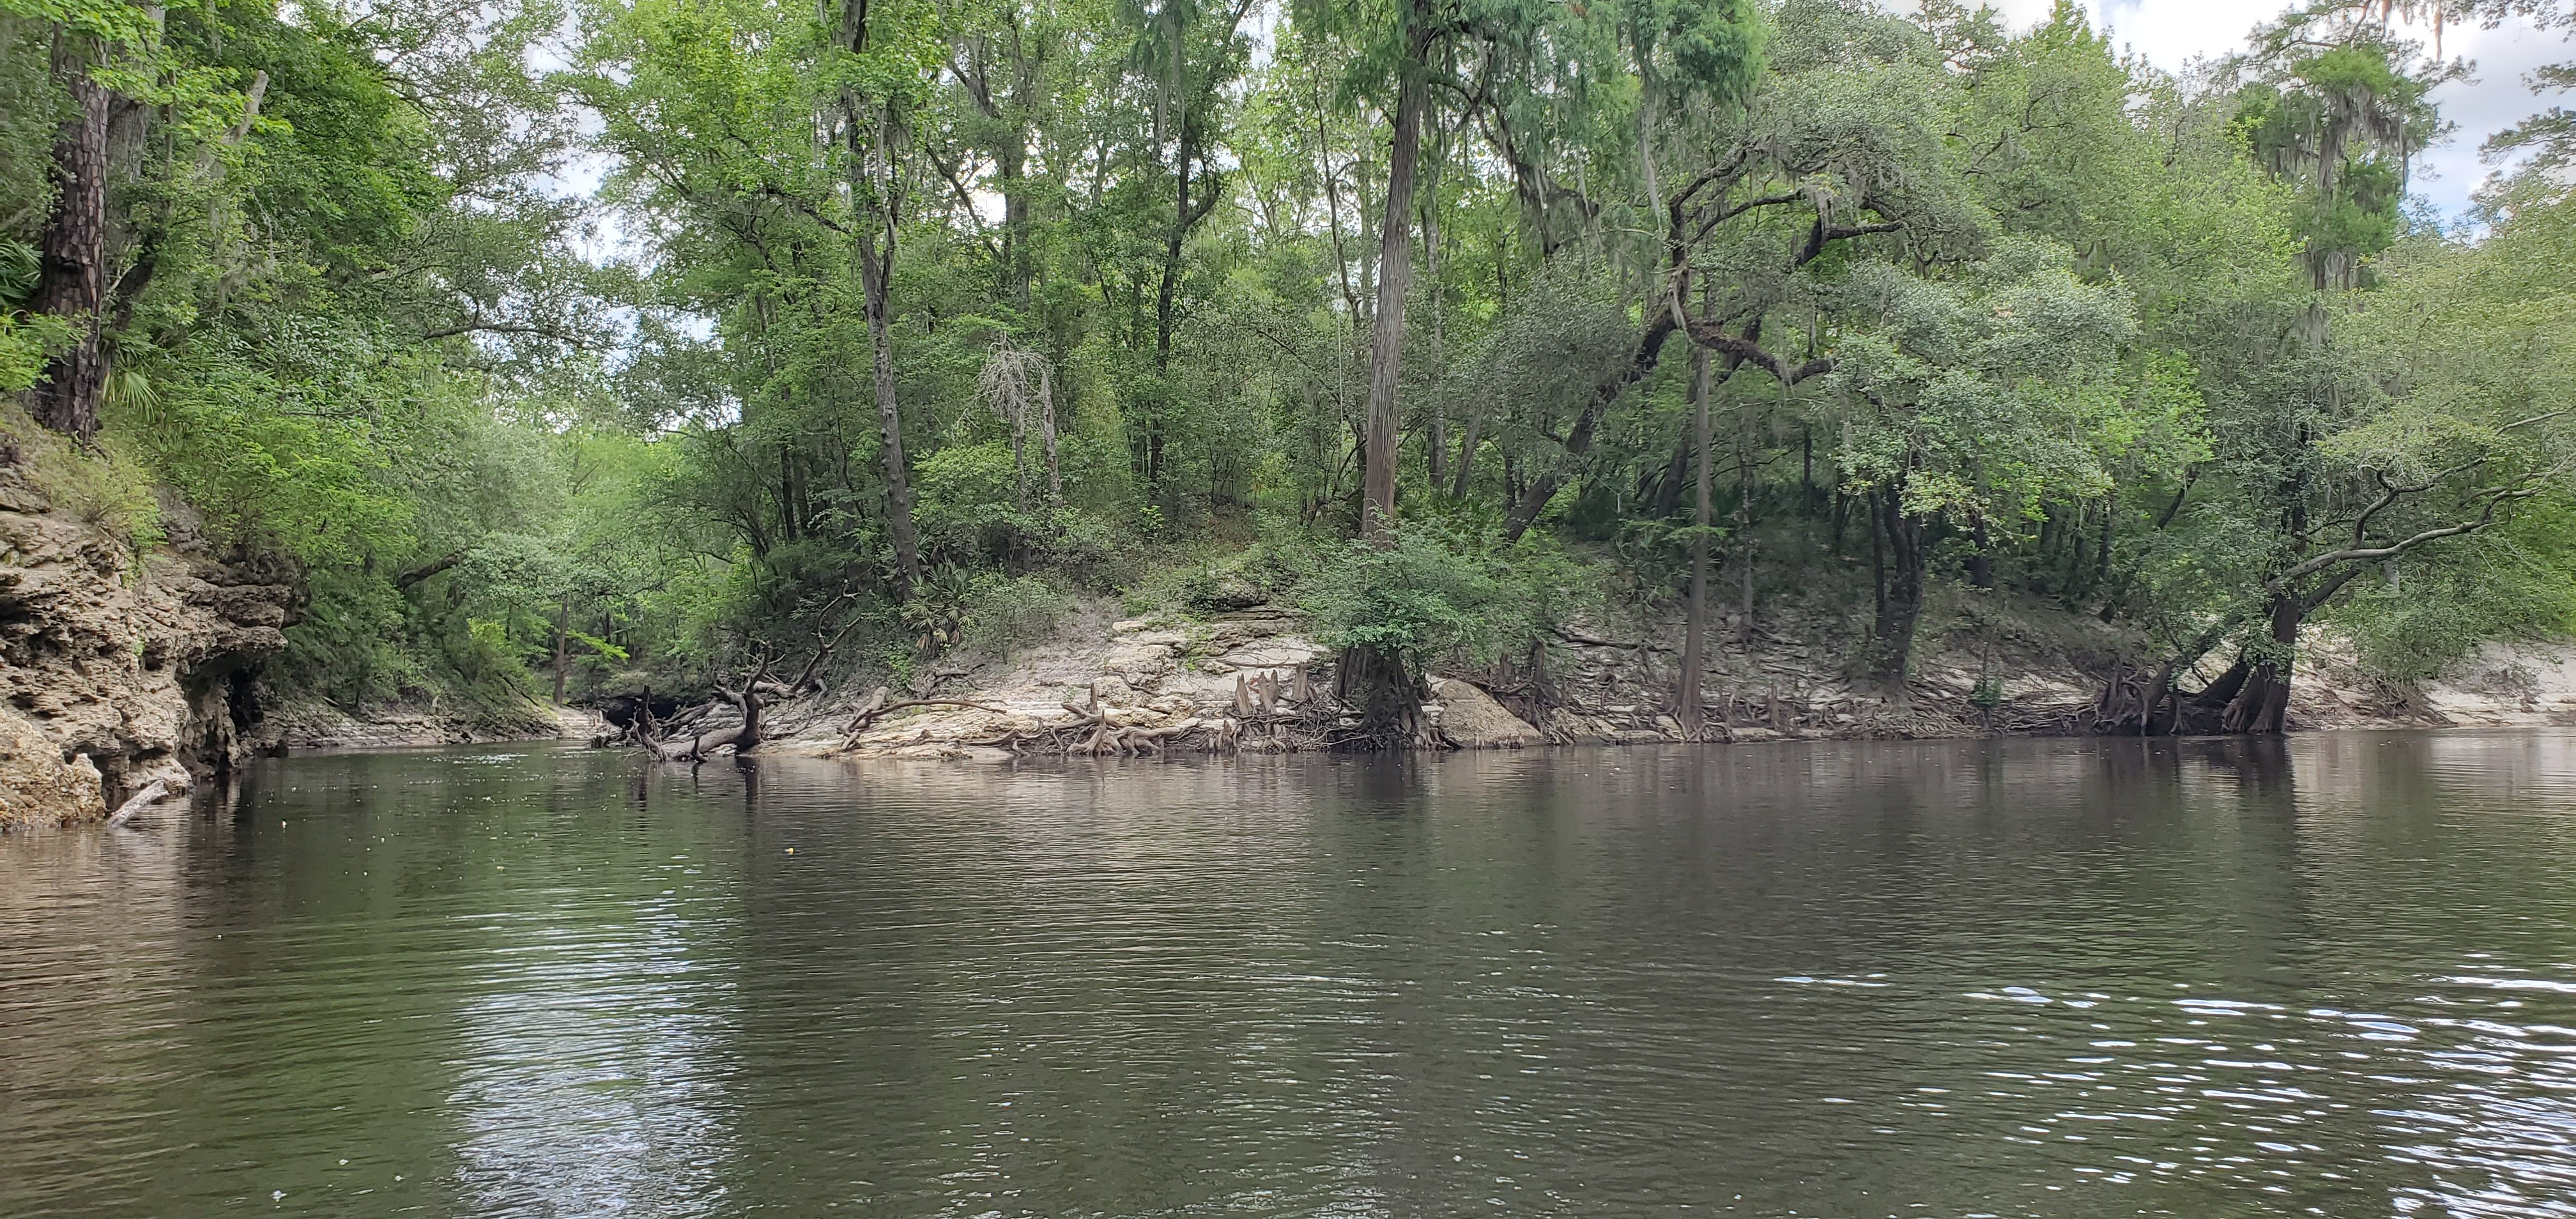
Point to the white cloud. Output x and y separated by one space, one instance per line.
2172 33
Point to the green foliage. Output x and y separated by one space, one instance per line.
1004 613
266 461
2435 610
1430 597
2143 347
349 647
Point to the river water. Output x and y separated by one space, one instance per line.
2335 976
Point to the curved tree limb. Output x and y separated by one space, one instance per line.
2496 498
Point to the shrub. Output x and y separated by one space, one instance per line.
1429 597
1005 612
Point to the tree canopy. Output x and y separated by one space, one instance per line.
597 344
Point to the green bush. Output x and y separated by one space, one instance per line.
1004 613
1430 597
350 646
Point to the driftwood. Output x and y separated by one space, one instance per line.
809 679
741 737
152 793
1589 640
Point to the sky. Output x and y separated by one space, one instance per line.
2171 33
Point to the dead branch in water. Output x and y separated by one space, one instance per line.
152 793
742 737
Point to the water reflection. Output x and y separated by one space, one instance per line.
593 1067
2336 976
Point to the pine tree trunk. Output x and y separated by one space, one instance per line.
72 269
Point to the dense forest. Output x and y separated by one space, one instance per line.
568 347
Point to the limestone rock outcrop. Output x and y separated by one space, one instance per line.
119 669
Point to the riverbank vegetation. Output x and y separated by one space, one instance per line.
570 348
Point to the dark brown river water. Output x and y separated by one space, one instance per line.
2335 976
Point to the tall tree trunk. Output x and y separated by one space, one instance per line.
1901 604
1394 279
1046 431
1744 523
563 645
876 268
1877 552
72 269
1695 635
1438 449
1659 495
870 128
1467 456
1807 471
1016 271
1377 683
1170 251
1164 297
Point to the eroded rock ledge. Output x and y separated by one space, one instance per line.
1167 675
118 670
1170 684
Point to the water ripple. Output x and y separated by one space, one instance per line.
2014 979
